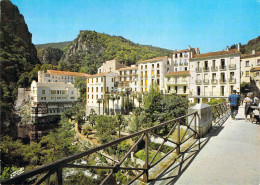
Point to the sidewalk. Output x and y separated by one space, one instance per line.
230 156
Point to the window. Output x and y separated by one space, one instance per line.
145 66
180 54
101 79
184 89
97 80
186 68
176 69
135 83
47 75
247 73
92 89
141 66
96 89
96 96
247 64
53 92
152 65
158 65
88 80
258 62
72 98
43 91
112 79
92 80
92 96
101 89
72 92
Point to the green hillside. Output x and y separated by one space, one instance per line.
253 44
60 45
90 49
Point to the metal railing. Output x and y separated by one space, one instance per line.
218 112
57 167
45 171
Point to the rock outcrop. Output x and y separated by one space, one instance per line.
50 56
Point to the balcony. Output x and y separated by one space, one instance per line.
206 69
198 81
222 81
232 66
206 81
122 84
214 68
232 80
222 68
214 81
181 63
176 64
198 70
186 63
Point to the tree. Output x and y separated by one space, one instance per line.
99 101
107 100
119 120
127 92
105 126
133 96
245 87
122 94
139 99
113 98
104 101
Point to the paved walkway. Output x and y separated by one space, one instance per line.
230 155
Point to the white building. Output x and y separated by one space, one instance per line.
214 75
59 76
49 100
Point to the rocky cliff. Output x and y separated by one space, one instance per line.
17 54
50 56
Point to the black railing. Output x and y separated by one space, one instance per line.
45 171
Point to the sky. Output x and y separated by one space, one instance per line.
210 25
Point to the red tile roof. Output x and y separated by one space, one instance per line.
55 72
152 59
180 51
175 73
217 53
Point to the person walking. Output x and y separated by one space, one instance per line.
234 101
242 98
248 102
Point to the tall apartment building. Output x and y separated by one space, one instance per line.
150 72
98 87
128 78
214 75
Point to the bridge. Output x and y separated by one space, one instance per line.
211 149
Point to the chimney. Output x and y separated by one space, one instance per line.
189 48
238 46
227 48
253 52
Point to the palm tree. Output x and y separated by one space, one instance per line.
127 92
122 94
99 101
133 96
117 98
119 119
107 99
113 98
139 99
104 101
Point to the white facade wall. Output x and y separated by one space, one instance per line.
46 77
209 81
247 63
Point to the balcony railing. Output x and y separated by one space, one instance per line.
232 80
170 83
214 81
181 64
222 81
175 63
214 68
232 66
222 68
198 69
206 69
198 81
206 81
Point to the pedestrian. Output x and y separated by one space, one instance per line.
248 102
234 101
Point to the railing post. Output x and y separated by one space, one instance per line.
59 176
178 149
146 165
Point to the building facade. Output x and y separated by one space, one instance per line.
214 75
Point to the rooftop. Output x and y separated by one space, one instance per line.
152 59
250 55
217 53
55 72
127 68
175 73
